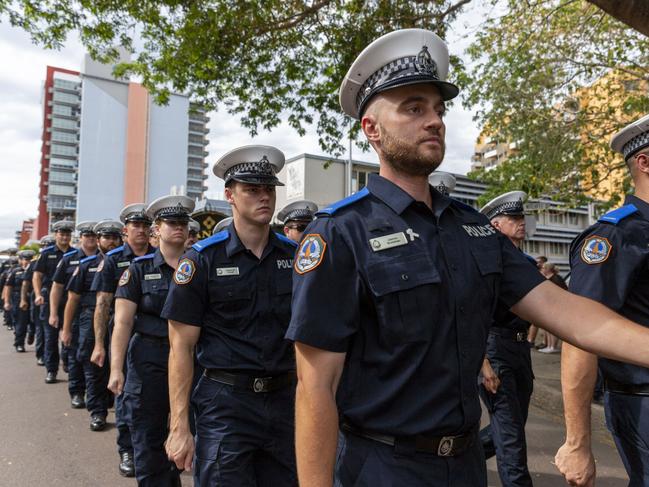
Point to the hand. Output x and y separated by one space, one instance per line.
98 355
24 305
576 464
54 320
7 306
490 380
38 301
116 382
66 337
180 448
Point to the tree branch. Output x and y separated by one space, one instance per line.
634 13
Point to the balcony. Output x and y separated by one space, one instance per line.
196 178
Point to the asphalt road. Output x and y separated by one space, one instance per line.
46 443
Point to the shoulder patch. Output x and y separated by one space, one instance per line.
185 271
333 208
123 280
87 259
100 267
596 250
311 253
214 239
116 250
144 257
71 252
618 215
285 239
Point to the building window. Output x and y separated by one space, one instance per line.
557 217
64 123
532 247
61 177
62 110
558 248
573 219
64 137
65 84
61 189
65 97
63 150
58 161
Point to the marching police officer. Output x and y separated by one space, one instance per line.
443 182
136 227
42 283
58 299
608 263
296 217
507 383
79 313
6 305
194 230
12 299
420 274
231 298
140 296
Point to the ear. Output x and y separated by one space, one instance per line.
370 124
286 229
642 162
228 195
496 224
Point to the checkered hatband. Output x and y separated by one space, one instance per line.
637 143
507 208
299 214
261 168
175 212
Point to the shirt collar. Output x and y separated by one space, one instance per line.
235 245
158 259
640 204
397 199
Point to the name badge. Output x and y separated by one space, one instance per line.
388 241
152 277
227 271
92 269
52 256
74 262
124 264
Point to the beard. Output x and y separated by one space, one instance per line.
405 158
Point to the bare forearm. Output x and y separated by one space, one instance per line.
37 282
316 435
55 298
181 372
24 291
70 310
578 377
6 293
119 342
100 319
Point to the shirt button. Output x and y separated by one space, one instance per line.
405 277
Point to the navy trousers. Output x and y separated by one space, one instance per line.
146 401
363 462
51 338
96 378
76 377
124 441
39 344
243 438
508 408
20 319
627 418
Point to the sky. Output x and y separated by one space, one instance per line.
21 77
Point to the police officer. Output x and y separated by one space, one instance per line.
222 225
194 230
296 217
507 377
443 182
42 283
12 299
231 297
79 313
58 298
419 275
136 228
6 305
140 296
608 263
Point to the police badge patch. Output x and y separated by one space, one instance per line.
311 253
101 266
595 250
185 271
123 281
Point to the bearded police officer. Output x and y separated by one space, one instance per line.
82 300
136 228
507 377
231 298
42 284
420 274
296 217
609 263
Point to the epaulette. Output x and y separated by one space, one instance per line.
464 206
71 252
285 239
89 258
115 250
214 239
333 208
144 257
46 249
616 216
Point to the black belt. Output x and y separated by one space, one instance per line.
517 336
631 389
152 338
250 383
443 446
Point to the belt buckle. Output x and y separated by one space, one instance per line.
445 447
520 336
260 384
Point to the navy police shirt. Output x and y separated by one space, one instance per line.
115 263
146 283
66 266
609 263
46 264
82 278
241 303
408 293
15 280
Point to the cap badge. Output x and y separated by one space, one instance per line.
424 63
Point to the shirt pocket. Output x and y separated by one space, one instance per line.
489 263
154 295
282 299
231 303
403 289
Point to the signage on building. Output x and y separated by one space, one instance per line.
295 180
